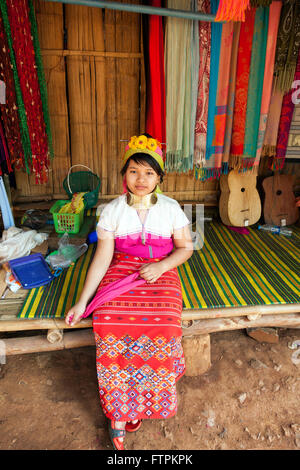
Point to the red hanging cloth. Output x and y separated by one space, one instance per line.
156 97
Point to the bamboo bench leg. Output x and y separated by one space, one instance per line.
54 335
197 354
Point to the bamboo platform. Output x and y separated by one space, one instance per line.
194 323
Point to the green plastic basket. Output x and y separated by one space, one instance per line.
70 223
85 182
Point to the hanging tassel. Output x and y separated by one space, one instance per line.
233 10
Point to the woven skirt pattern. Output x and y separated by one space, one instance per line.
139 355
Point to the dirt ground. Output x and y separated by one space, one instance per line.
249 399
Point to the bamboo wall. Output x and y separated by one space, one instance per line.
93 61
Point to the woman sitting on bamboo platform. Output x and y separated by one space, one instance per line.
143 236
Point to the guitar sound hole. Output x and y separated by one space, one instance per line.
243 190
278 192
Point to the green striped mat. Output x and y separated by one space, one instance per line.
233 269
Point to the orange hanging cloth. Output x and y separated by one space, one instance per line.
232 10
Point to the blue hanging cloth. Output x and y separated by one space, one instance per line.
8 219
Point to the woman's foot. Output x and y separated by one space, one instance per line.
133 426
117 433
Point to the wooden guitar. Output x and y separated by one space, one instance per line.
239 204
279 206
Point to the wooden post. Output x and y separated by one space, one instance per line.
33 344
197 354
55 335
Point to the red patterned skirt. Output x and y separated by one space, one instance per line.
139 355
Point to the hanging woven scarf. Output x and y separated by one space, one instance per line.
178 70
255 86
195 58
241 91
288 42
232 10
207 169
282 45
156 104
286 117
274 17
220 117
41 76
203 86
231 96
18 14
9 111
25 140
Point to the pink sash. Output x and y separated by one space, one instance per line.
113 290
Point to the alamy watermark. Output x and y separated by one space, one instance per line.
2 352
296 93
197 225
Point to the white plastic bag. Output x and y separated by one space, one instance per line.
17 243
66 253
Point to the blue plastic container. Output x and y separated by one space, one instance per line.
31 271
92 237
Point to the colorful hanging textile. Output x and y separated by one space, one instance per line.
41 75
11 75
241 91
274 17
9 111
203 86
220 116
207 170
232 10
231 96
286 117
18 15
284 35
255 86
156 100
178 44
288 42
195 61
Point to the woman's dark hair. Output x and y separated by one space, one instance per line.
141 158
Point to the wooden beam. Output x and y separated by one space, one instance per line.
204 327
81 338
187 315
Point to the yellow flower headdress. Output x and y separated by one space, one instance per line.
143 144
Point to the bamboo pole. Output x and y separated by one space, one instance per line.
145 9
82 338
205 327
187 315
34 344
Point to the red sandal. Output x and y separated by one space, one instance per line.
130 427
115 434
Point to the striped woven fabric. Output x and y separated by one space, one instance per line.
234 269
230 270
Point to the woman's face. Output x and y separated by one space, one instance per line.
141 179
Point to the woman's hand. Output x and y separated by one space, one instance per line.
151 272
75 314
